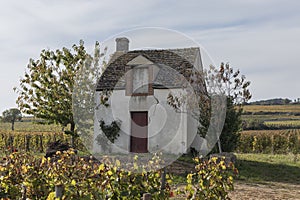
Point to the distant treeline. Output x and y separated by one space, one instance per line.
276 101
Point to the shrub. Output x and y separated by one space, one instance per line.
232 127
213 179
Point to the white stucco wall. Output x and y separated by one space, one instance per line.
167 129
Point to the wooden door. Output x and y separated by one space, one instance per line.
139 132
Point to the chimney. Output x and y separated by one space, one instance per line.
122 44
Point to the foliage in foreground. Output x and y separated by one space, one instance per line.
25 175
213 179
81 178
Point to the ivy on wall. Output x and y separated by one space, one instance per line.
110 133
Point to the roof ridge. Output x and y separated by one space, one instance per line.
161 49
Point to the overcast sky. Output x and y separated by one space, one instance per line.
261 38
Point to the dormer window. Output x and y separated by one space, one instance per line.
140 80
139 77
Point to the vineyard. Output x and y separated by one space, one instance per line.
293 108
288 123
32 141
25 176
270 141
271 129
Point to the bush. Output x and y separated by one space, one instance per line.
213 179
254 124
232 127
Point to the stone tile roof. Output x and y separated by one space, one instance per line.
179 60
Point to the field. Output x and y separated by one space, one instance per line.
30 126
263 173
282 122
265 176
292 108
272 116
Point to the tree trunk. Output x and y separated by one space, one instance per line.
41 143
147 196
11 142
163 179
28 137
12 125
73 135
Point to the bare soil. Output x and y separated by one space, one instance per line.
269 190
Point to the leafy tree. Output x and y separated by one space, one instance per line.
236 88
47 87
218 82
232 127
84 96
235 85
12 115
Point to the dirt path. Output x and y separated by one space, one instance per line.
270 190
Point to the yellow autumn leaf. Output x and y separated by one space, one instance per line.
101 167
196 160
110 173
73 182
118 163
43 160
51 196
24 169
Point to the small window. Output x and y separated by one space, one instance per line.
139 81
